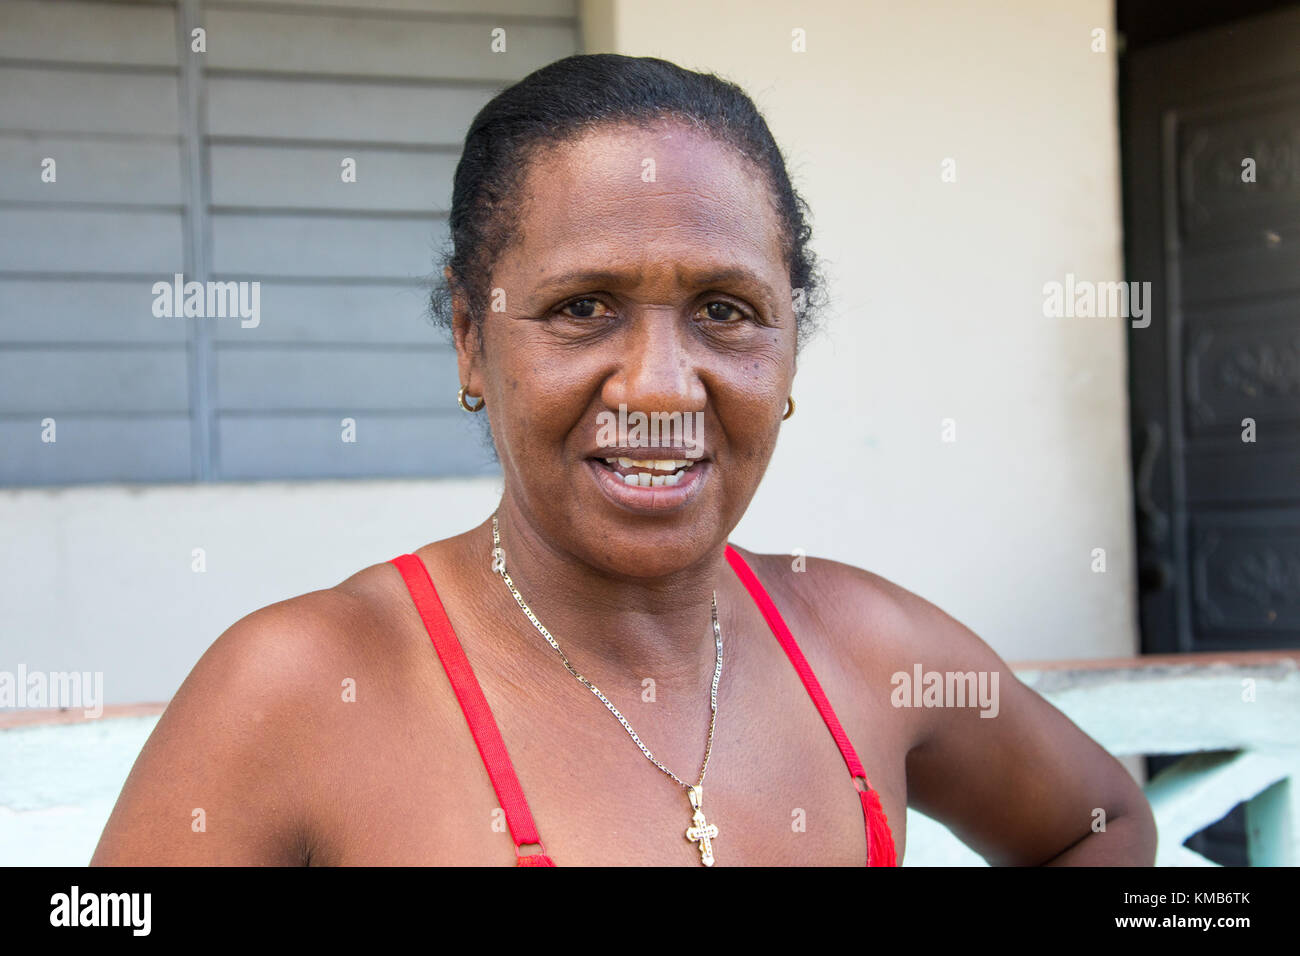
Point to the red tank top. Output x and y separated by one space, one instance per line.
880 842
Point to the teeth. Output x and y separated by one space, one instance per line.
650 464
636 471
642 479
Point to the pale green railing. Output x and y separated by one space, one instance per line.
1237 715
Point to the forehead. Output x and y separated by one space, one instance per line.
668 194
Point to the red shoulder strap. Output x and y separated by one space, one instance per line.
475 706
880 841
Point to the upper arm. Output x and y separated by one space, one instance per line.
1015 780
218 781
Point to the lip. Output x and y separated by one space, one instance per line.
652 500
642 452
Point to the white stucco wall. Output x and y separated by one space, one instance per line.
937 313
102 579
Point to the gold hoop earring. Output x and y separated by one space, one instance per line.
789 408
460 399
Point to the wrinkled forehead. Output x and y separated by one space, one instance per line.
623 194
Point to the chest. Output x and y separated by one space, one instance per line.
777 790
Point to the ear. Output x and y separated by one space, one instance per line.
466 337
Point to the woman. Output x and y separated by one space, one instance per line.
626 240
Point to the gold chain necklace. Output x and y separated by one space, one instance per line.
701 831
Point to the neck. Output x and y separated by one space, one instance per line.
659 627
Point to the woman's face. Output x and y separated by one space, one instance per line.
647 274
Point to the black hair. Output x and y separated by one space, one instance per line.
575 95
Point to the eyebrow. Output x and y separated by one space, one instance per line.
685 276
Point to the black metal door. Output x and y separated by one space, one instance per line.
1211 157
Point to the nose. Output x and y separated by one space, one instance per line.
657 367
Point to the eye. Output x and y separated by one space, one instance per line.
723 312
585 309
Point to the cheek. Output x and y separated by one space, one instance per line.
537 404
748 403
762 376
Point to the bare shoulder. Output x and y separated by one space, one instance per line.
822 582
227 776
872 613
875 625
276 659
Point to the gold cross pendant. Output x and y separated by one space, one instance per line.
702 832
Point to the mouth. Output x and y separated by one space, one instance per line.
649 485
648 473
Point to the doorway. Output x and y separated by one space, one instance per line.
1210 141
